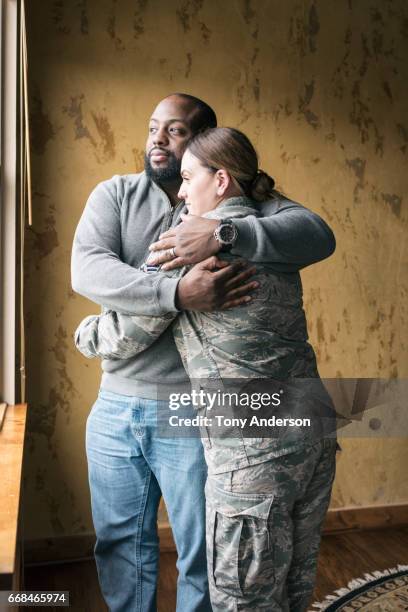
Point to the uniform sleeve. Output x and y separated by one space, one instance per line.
287 235
112 335
97 271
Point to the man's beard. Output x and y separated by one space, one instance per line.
167 174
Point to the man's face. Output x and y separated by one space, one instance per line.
169 133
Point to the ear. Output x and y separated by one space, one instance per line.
223 181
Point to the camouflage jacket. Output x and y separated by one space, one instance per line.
266 338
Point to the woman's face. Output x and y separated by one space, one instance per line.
199 188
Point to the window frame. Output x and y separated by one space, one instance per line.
9 149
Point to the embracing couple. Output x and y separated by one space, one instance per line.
195 262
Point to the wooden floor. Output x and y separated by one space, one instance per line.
342 557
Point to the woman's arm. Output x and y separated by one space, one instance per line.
112 335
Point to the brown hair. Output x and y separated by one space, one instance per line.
231 150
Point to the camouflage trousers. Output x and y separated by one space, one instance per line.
263 530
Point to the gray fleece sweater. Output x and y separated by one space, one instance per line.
127 213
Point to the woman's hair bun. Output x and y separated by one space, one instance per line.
262 186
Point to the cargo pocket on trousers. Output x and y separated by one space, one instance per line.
242 546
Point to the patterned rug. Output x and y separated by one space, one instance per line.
385 591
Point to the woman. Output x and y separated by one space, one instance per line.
266 496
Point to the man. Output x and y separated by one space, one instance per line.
129 467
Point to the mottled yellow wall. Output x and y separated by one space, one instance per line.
320 86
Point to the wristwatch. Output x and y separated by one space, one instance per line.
226 234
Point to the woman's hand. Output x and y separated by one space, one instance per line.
192 240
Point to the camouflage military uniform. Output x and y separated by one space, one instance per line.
266 497
263 530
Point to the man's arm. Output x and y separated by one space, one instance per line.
112 335
98 273
288 236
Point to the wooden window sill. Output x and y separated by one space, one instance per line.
11 461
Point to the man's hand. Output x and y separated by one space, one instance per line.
193 241
214 284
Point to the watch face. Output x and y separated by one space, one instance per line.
227 233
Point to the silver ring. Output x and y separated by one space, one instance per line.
172 252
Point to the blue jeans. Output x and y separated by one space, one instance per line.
129 469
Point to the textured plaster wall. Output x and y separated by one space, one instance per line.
320 87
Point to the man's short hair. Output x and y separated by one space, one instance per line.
205 116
